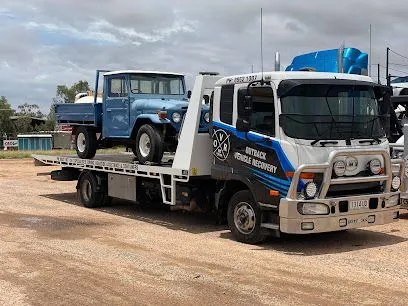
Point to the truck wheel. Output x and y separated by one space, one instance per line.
87 190
149 144
85 142
244 218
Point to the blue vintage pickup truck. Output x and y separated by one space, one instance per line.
142 110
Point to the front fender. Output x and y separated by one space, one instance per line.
154 118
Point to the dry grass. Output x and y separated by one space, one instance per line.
27 154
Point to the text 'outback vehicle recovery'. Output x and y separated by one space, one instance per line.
291 152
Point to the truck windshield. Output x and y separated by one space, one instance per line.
157 84
336 112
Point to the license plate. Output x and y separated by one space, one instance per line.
358 204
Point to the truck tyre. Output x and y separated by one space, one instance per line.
85 142
149 144
88 191
244 218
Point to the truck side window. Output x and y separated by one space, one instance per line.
117 87
211 105
226 103
263 111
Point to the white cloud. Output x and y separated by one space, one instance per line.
87 34
68 40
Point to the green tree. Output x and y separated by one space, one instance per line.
29 110
67 94
6 125
23 125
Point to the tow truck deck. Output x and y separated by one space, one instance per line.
124 164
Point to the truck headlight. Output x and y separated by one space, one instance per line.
375 166
313 209
176 117
207 117
339 168
310 190
395 183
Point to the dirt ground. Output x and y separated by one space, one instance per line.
55 252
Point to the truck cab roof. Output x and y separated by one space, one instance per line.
287 75
141 72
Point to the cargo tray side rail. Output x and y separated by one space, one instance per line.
167 176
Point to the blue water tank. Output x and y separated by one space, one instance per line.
354 61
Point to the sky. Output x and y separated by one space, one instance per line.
44 43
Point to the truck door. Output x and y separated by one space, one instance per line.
255 156
116 107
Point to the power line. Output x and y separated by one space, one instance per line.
398 64
399 54
405 72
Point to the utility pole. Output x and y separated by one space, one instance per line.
378 74
387 68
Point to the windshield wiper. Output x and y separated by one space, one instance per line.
371 141
323 143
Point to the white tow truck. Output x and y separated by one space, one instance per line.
287 152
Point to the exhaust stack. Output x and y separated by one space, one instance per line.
277 61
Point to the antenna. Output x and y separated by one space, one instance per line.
261 52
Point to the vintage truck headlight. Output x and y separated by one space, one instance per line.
339 168
176 117
207 117
395 183
375 166
310 190
313 209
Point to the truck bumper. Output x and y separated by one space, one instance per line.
293 222
338 223
404 200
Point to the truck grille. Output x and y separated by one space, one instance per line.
336 191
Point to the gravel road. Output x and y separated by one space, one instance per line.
55 252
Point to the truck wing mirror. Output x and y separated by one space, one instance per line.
248 105
244 103
243 125
189 94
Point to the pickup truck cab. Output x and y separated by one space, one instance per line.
140 109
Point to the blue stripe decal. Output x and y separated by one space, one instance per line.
271 183
268 184
283 159
272 178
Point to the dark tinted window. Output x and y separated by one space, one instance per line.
226 103
331 112
263 111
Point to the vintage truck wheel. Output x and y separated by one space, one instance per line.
85 142
149 144
244 218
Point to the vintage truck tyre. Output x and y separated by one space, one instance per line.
85 142
149 144
90 193
244 218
